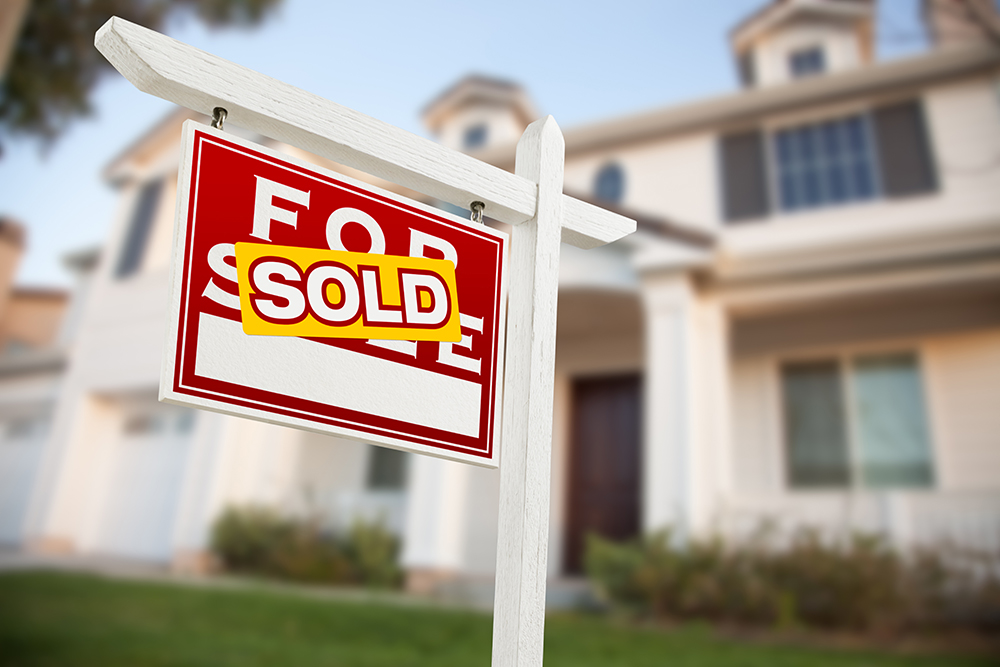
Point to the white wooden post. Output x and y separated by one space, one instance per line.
531 200
522 543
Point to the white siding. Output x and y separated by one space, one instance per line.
673 178
964 386
22 443
964 123
757 456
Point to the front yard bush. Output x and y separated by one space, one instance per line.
855 583
260 541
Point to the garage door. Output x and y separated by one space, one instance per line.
145 484
21 444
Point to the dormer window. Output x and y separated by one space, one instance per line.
609 186
474 137
807 62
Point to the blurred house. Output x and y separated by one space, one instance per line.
32 358
804 331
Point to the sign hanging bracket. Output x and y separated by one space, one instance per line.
219 115
477 212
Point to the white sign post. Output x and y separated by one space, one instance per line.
531 200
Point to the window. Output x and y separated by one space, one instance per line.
609 185
139 229
884 153
856 422
475 137
806 62
825 163
386 469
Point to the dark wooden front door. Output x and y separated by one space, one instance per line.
603 464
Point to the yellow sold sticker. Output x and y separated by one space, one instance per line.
313 293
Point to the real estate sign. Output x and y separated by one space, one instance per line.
305 298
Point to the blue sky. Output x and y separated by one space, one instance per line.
580 61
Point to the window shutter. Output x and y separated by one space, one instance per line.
748 74
744 176
904 150
139 228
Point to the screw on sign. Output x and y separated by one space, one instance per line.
371 316
302 223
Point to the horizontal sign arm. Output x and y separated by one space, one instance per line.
164 67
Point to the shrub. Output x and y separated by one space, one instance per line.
855 583
374 553
259 541
247 539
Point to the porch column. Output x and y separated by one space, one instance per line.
434 532
686 410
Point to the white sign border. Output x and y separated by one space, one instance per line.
168 371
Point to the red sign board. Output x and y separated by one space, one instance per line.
441 398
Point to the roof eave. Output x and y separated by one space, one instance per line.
748 105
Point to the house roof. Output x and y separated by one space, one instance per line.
478 89
748 106
40 293
12 232
654 224
118 168
779 11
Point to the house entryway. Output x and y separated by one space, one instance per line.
604 460
146 479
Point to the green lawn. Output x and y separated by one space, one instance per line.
76 620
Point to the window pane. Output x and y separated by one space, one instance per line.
891 424
807 145
475 137
836 183
814 425
856 135
825 163
789 193
386 469
609 185
807 62
864 188
811 193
